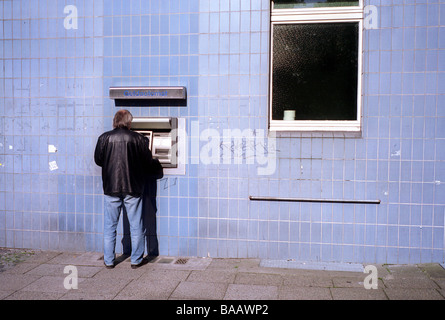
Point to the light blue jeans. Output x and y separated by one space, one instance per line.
113 208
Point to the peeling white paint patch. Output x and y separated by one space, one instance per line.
52 148
396 153
53 166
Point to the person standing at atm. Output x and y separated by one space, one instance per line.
125 158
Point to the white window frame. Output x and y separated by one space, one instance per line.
318 15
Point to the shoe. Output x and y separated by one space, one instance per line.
109 267
140 264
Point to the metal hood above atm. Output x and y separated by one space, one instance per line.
152 93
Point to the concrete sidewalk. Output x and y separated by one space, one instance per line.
41 276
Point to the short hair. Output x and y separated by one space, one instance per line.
122 119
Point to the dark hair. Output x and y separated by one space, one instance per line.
122 119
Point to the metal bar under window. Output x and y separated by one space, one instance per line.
252 198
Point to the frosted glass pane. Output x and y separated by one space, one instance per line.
315 71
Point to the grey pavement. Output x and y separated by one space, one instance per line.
42 276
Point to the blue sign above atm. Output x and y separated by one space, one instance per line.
155 93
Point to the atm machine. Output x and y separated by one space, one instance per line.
163 136
162 132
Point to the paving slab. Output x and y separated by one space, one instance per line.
382 270
161 274
353 293
212 276
78 295
121 272
434 270
96 288
241 265
42 256
310 265
148 290
9 257
405 271
78 259
353 282
22 268
49 284
303 293
349 282
199 291
4 293
413 294
251 292
13 282
408 282
307 281
34 295
265 279
58 270
440 283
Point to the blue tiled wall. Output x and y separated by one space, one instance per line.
54 91
51 94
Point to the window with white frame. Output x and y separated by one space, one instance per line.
316 59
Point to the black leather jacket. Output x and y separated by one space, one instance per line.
125 159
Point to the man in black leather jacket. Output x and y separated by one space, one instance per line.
125 158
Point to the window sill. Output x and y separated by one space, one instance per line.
319 129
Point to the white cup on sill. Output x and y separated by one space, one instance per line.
289 115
